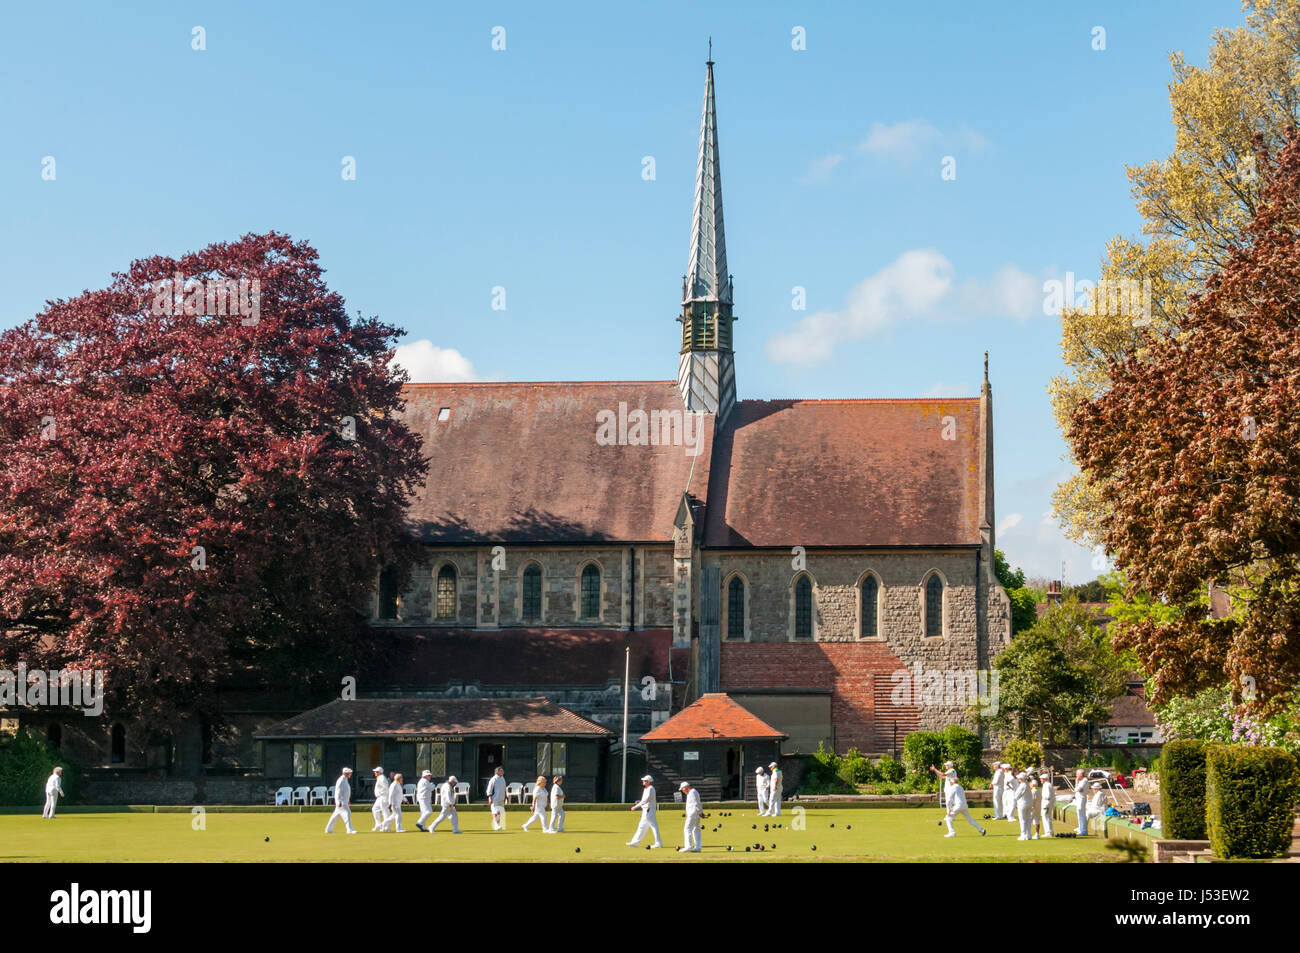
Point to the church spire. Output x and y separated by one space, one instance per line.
706 370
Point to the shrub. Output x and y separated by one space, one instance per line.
891 771
1250 794
1182 789
821 774
26 761
1023 753
855 768
922 749
964 748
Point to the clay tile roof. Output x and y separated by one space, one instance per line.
846 473
520 462
389 717
1130 711
431 658
714 717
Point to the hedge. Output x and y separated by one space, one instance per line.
964 749
1182 789
1023 753
922 749
26 762
1250 795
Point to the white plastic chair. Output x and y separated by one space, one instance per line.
319 795
409 791
301 795
462 791
284 796
515 790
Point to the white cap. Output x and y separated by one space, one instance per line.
377 770
1043 777
426 773
451 779
1006 764
683 786
647 778
1096 785
758 770
772 765
1021 776
347 770
950 764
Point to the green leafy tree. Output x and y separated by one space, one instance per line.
1024 611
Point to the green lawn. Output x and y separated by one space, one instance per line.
906 834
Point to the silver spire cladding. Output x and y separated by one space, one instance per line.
706 369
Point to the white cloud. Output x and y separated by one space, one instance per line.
902 141
819 170
942 389
1009 293
908 287
1009 522
427 363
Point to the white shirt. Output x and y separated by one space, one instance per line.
381 788
54 784
762 781
777 778
693 806
647 802
557 797
1049 794
1081 789
396 796
496 789
955 798
539 793
1024 796
342 791
448 794
999 779
424 791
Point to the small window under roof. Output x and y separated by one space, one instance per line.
444 413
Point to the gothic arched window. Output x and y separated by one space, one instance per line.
446 592
532 594
590 592
736 608
870 608
803 608
934 606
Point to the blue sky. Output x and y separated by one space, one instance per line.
522 168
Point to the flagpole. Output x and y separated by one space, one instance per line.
627 667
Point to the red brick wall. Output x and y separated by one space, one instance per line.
857 673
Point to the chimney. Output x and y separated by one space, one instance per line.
1054 593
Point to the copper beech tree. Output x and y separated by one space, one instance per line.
1198 447
201 474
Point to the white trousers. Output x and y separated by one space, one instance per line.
1023 812
649 822
774 803
51 800
1081 805
380 812
691 833
448 813
498 817
964 812
536 816
762 803
1047 820
426 811
395 815
345 812
997 801
557 819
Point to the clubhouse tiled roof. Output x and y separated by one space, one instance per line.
520 462
714 717
846 473
412 717
430 658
